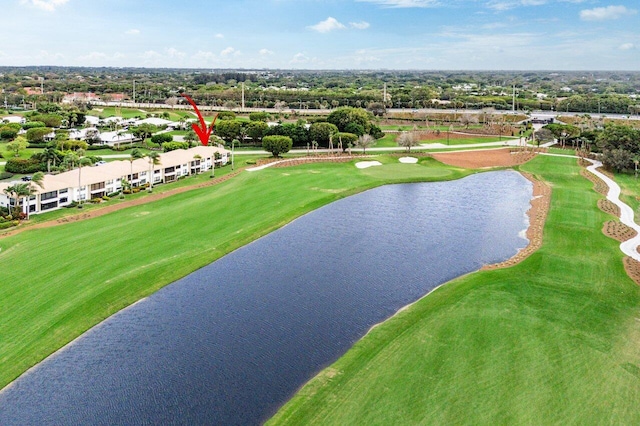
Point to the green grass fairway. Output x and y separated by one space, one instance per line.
553 340
465 141
57 282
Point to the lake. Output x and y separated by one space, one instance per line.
233 341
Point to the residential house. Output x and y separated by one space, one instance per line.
94 182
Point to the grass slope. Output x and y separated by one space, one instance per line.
553 340
57 282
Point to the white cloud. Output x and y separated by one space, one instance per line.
299 58
174 53
265 52
151 54
204 56
329 24
132 31
100 57
626 46
362 25
93 56
605 13
229 51
501 5
404 3
48 5
219 35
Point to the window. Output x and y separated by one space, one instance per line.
110 182
64 191
63 200
48 195
49 206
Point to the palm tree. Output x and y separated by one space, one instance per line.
154 160
135 155
24 190
70 160
12 192
50 155
195 158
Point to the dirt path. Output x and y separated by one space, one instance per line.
485 158
115 207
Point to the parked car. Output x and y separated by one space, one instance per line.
26 178
100 163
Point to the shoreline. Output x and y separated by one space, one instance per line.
537 213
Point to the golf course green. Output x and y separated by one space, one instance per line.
553 339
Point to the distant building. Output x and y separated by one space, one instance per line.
80 97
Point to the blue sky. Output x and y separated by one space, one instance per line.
324 34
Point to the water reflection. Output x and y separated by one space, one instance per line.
231 342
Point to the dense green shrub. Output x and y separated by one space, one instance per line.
376 132
259 116
33 124
5 175
24 166
38 145
276 144
172 146
50 120
346 138
161 138
9 224
37 134
8 133
226 115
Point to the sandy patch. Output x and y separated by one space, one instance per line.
618 230
366 164
408 160
485 158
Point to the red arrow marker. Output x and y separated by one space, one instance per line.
202 130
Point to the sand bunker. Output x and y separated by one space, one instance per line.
408 160
365 164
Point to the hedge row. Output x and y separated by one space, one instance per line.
24 166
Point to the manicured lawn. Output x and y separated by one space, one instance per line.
174 115
104 112
57 282
553 340
465 141
630 186
388 140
